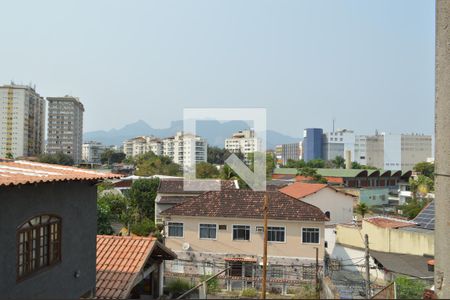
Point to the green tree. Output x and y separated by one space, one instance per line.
143 193
316 163
143 227
104 217
362 209
109 156
409 288
9 155
311 173
425 168
413 207
270 163
148 164
58 159
338 162
227 173
421 186
297 164
206 170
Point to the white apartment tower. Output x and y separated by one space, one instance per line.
142 144
92 152
22 121
185 148
65 126
243 141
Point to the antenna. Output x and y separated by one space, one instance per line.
333 123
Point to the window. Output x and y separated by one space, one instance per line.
177 266
38 244
310 235
241 232
208 231
275 234
327 214
222 227
276 271
175 229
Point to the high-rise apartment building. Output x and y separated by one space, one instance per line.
65 126
243 141
22 121
312 144
397 151
285 152
142 144
185 148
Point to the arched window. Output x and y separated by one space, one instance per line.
327 214
38 244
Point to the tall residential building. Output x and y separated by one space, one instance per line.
65 126
243 141
312 144
285 152
142 144
397 151
92 152
22 121
183 147
360 149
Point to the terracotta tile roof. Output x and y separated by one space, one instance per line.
176 185
173 199
17 172
119 261
246 204
387 222
338 180
300 189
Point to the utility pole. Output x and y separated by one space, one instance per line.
317 274
264 274
367 263
442 151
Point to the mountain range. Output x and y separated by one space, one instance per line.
215 133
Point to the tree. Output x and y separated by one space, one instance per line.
148 164
9 155
425 168
110 157
206 170
104 217
270 163
316 163
409 288
358 166
143 193
297 164
362 209
312 174
58 158
217 156
338 162
143 227
227 173
421 186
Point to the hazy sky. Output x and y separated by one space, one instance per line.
369 64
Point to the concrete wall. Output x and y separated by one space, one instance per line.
224 244
387 239
75 203
338 204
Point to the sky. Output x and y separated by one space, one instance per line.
368 64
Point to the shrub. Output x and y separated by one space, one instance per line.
143 227
303 292
212 285
408 288
178 286
251 293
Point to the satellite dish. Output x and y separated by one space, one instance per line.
185 246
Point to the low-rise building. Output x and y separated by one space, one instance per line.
171 192
285 152
225 228
92 152
336 205
48 227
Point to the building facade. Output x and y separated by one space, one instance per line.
312 144
337 143
285 152
142 144
92 152
65 126
185 149
22 121
397 151
244 142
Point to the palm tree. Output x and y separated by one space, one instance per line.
362 209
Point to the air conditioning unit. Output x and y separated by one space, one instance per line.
260 229
186 246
